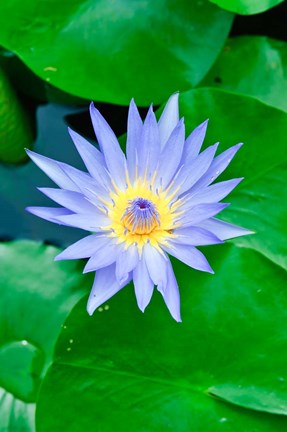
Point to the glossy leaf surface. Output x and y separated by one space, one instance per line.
154 374
262 74
259 202
36 296
247 7
15 125
113 51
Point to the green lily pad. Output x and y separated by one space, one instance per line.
130 371
36 296
15 126
247 7
262 74
259 202
112 52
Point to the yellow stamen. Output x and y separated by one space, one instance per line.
139 214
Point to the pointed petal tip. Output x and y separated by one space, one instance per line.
249 232
86 270
71 132
33 210
207 269
93 109
92 304
204 124
150 111
142 308
31 153
174 96
90 309
224 205
59 257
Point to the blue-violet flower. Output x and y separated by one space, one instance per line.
156 201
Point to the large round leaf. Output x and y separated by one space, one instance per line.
262 74
112 51
122 370
259 203
247 7
36 296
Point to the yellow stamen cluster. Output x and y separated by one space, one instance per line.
122 227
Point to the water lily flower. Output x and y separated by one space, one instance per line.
156 201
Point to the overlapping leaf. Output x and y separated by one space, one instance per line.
113 51
258 203
247 7
15 125
129 371
262 74
36 296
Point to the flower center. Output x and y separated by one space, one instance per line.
140 216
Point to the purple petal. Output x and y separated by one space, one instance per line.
84 181
143 284
51 214
92 158
171 155
194 142
83 248
104 287
192 172
127 260
195 236
194 215
213 193
169 119
53 170
109 145
170 293
134 132
189 255
73 201
224 230
104 257
85 222
219 164
156 264
148 148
